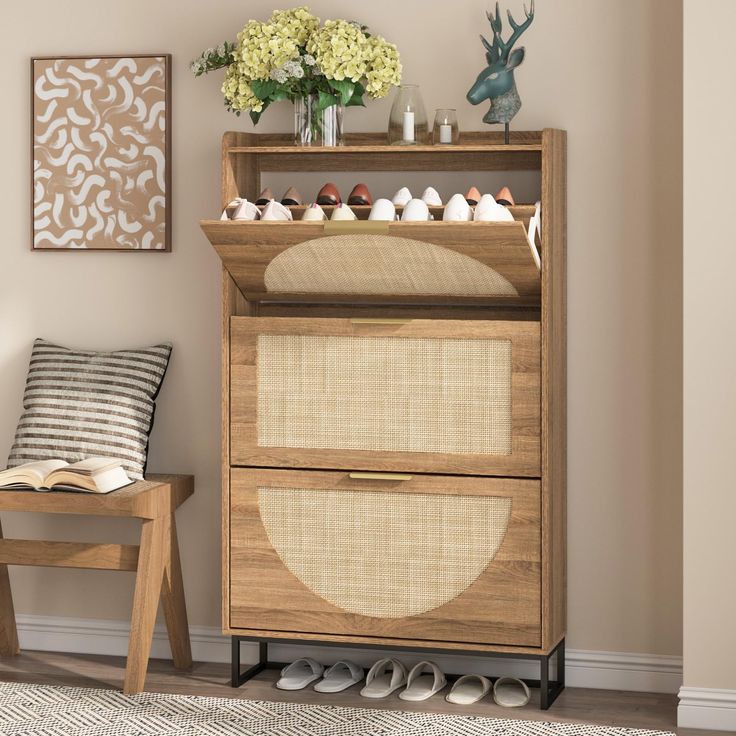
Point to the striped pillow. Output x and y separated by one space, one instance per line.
79 404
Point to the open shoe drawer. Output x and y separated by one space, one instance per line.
432 396
446 559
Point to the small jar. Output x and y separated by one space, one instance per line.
445 131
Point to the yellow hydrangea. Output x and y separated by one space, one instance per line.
340 48
263 47
238 92
384 67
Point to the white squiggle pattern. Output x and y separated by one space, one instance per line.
100 165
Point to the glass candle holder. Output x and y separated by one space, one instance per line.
407 125
445 131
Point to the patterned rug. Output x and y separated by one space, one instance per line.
41 710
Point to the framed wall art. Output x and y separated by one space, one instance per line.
100 150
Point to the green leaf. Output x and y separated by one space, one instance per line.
344 87
263 88
256 116
326 100
356 100
279 94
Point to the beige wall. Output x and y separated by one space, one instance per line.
710 349
606 71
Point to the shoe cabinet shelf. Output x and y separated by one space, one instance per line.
394 413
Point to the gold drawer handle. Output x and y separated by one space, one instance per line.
380 476
379 321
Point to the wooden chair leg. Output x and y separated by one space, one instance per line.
9 646
148 580
174 604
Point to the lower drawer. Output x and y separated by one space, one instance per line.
436 558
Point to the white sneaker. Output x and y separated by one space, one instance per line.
246 211
401 197
383 209
488 210
314 212
457 209
416 210
276 211
431 197
343 212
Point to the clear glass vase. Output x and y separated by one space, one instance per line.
407 124
315 127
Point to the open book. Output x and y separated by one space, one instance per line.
95 474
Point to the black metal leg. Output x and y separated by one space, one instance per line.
548 692
506 136
237 678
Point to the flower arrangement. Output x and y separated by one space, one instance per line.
292 56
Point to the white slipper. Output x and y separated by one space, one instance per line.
299 674
231 207
510 692
469 689
432 197
401 197
383 678
420 686
246 211
535 229
339 677
276 211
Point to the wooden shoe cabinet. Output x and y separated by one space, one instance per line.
393 413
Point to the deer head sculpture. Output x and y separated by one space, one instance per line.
496 82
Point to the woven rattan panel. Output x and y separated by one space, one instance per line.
384 554
381 264
384 394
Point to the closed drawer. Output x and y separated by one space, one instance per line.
446 559
437 396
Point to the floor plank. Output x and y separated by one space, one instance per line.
603 707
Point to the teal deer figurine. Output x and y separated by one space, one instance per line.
496 82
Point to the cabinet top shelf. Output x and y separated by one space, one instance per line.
479 150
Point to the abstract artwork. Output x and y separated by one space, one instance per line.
100 138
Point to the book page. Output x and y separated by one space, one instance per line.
92 465
33 473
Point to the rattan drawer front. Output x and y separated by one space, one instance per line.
428 557
423 396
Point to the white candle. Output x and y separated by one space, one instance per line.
445 133
408 126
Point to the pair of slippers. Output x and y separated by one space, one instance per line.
303 672
426 679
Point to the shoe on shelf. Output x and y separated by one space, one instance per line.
328 195
416 210
424 680
265 197
385 677
504 197
472 197
300 673
469 689
488 210
343 212
340 676
276 211
510 692
291 197
457 209
314 212
431 196
246 211
401 197
360 195
227 213
383 209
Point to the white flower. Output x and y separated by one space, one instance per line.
309 60
279 75
221 50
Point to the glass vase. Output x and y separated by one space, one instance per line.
315 127
445 131
407 125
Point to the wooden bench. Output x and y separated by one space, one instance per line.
155 561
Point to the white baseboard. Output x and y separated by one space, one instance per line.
702 707
603 670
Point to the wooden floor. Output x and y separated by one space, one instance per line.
602 707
